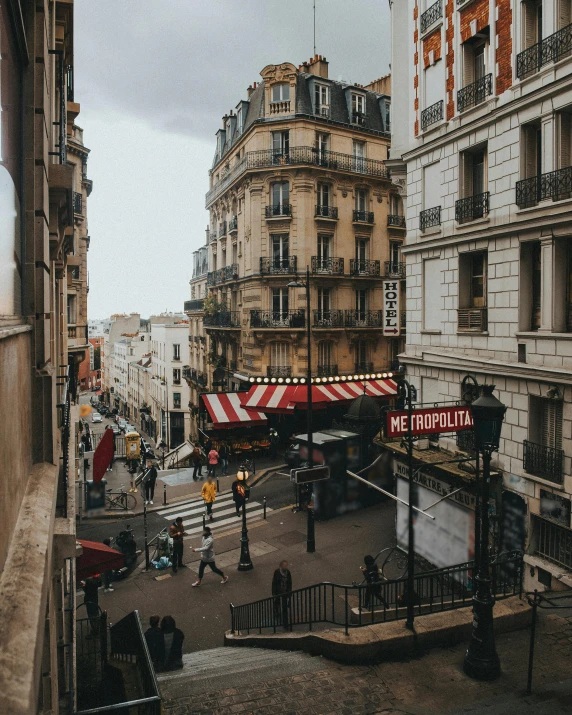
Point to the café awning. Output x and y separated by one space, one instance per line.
226 411
96 559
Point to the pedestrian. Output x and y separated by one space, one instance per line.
208 493
281 586
372 578
155 642
91 599
240 489
197 461
273 444
149 482
213 461
107 575
173 639
208 445
207 557
224 454
177 532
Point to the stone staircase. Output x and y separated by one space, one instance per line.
220 668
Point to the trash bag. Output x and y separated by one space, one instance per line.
162 563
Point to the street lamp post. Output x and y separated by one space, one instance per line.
481 660
244 562
468 396
310 538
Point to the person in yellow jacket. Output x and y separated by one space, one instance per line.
208 493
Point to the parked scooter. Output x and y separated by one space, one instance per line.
125 543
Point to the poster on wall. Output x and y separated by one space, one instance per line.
391 314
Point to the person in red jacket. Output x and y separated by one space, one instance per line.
213 461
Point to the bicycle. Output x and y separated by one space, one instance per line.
120 500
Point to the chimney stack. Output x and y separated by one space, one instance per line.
318 66
249 91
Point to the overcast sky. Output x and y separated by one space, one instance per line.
154 78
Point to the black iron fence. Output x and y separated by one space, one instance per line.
430 217
396 221
543 461
327 370
278 265
330 266
552 542
277 319
222 229
233 224
432 114
119 448
328 318
278 371
91 655
555 185
395 269
224 319
475 93
363 318
364 267
274 210
431 15
472 208
358 605
363 367
192 306
551 49
363 216
327 211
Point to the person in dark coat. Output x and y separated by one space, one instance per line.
240 489
372 578
91 599
173 644
282 585
155 642
197 461
149 482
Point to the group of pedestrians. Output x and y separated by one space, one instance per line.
210 458
165 643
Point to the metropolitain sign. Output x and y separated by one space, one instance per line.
429 421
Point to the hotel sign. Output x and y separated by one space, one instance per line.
429 421
391 313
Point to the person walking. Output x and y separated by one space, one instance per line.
176 532
208 493
213 461
224 454
372 579
155 642
282 585
240 489
149 482
206 551
197 462
173 639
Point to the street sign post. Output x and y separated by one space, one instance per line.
309 475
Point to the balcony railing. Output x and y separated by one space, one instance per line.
542 461
475 93
472 207
280 107
432 114
222 229
230 273
225 319
555 185
361 367
78 332
275 210
307 155
430 217
363 216
472 320
212 236
77 202
361 267
396 220
551 49
233 224
193 306
328 318
395 269
359 118
278 371
277 319
363 318
431 15
553 542
328 266
326 211
327 370
278 265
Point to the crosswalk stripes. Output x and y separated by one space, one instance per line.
224 513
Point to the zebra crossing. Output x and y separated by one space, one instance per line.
224 512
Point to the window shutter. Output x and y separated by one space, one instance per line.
468 64
530 148
563 14
551 424
564 158
530 23
467 175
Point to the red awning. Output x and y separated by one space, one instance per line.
226 411
284 398
97 558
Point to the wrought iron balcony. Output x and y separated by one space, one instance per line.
395 269
327 370
278 371
360 267
211 278
361 367
217 361
363 216
193 306
222 229
430 217
224 319
471 320
396 220
277 319
278 265
230 273
212 236
431 15
551 49
233 224
328 266
363 318
432 114
555 185
326 211
77 202
328 318
475 93
276 210
542 461
472 207
187 372
553 542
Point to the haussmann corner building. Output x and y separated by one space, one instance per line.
483 160
298 181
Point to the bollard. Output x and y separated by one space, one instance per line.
147 561
164 495
217 486
204 519
264 506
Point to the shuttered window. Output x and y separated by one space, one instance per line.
532 25
279 354
564 134
536 260
325 353
564 13
473 178
532 150
546 422
324 300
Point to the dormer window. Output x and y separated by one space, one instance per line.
239 120
322 99
358 109
281 93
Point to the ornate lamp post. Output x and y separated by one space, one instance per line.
245 562
481 659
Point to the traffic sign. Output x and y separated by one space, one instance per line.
308 475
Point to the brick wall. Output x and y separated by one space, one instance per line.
478 11
449 40
432 43
504 45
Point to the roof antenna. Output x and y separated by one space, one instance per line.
314 28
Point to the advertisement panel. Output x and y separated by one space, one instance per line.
429 421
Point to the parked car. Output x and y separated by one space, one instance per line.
116 430
96 417
121 422
129 428
95 388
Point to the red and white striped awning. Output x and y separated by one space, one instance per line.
284 398
226 411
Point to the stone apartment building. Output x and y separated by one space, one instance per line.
119 325
138 379
130 348
89 373
299 182
196 372
483 161
39 237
